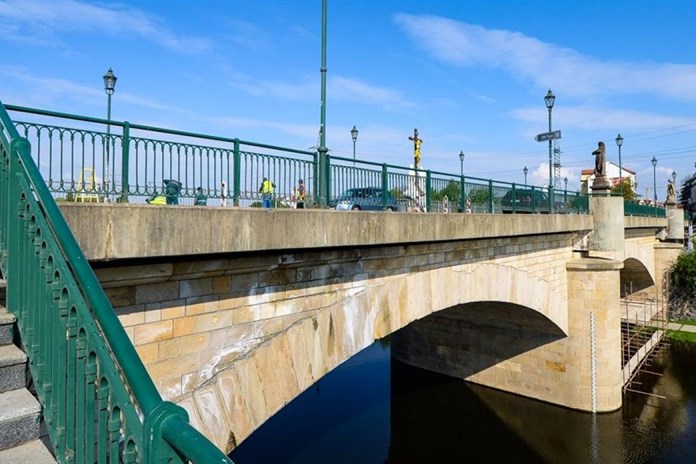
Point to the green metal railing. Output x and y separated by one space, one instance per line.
86 162
99 403
636 209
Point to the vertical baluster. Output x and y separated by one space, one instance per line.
102 434
81 425
45 302
114 435
90 407
70 387
130 453
49 304
59 354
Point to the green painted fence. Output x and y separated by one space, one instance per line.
99 403
92 159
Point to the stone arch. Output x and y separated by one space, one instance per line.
253 388
635 277
639 255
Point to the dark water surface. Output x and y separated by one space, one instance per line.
374 410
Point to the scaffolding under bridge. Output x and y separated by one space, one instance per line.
643 330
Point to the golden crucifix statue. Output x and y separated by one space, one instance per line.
416 149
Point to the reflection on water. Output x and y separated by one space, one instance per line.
374 410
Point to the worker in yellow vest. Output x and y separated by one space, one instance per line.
267 189
301 192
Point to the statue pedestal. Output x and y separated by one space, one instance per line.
675 222
601 186
607 237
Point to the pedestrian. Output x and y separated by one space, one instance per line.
267 188
301 192
201 198
223 194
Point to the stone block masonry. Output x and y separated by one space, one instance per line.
308 311
235 334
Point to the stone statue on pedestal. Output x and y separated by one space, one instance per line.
600 171
670 191
600 160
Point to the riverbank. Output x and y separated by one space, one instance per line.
684 331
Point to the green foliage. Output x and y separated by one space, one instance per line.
398 194
683 273
451 192
628 192
678 336
479 196
685 321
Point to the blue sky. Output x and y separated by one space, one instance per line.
470 75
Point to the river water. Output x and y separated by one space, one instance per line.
375 410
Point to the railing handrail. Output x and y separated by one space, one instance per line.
162 130
138 380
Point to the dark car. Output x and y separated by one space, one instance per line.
525 201
364 198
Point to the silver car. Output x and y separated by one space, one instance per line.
364 198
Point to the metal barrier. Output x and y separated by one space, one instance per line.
99 403
134 166
636 209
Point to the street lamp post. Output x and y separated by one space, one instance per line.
354 135
565 192
654 164
461 180
109 87
565 181
322 150
549 100
525 170
619 142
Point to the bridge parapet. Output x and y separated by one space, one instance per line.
109 232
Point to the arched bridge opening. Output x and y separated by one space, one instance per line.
635 277
476 341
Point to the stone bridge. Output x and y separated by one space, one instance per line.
235 312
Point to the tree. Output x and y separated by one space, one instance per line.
628 192
479 196
451 192
398 194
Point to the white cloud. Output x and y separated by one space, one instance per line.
595 118
527 58
42 20
360 92
339 88
277 89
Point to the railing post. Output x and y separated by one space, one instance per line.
236 174
533 200
125 162
327 167
14 226
428 196
315 178
385 184
462 195
490 195
514 199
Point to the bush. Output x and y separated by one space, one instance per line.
682 287
683 273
